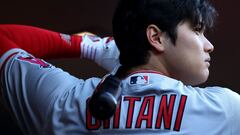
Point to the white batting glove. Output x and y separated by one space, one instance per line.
103 51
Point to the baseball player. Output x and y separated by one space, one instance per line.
163 54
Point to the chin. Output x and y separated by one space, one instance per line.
202 78
198 79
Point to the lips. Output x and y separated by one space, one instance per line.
208 61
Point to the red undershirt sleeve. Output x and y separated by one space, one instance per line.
39 42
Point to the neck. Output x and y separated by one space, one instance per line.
155 63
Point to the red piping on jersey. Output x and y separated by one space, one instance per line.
146 71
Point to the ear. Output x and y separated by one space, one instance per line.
154 35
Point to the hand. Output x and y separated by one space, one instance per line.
103 51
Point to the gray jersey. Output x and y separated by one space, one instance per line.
46 100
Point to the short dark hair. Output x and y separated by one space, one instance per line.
132 17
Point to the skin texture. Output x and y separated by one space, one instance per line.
187 60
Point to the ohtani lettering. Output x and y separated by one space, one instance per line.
94 124
147 105
131 106
165 112
151 112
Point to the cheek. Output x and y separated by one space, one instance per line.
187 63
189 71
191 43
191 49
193 70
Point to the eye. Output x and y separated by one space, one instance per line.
199 29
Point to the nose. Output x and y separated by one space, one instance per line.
208 46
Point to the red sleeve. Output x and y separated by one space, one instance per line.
39 42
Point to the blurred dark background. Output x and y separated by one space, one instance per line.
95 16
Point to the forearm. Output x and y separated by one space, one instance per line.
39 42
48 44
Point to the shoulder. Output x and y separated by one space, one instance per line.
217 96
214 90
232 100
225 97
221 91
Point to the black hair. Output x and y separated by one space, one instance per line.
132 17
